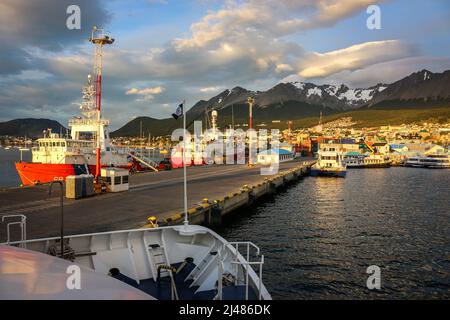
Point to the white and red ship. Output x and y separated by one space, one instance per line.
88 148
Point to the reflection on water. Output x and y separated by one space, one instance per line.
8 173
319 236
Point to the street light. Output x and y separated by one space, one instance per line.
250 102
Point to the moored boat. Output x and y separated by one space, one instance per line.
355 160
87 149
330 161
436 161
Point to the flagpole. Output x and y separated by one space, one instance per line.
186 222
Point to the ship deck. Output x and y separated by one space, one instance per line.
162 290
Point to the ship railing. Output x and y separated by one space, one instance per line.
87 122
247 264
22 223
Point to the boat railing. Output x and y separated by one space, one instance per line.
220 282
23 228
87 122
247 264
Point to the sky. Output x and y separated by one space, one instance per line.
167 51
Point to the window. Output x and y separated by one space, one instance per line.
125 179
117 180
108 180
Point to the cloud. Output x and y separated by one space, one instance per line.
387 72
354 57
209 89
275 18
29 25
147 94
146 91
248 43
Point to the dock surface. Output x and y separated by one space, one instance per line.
157 194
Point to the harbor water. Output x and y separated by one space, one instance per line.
8 174
320 235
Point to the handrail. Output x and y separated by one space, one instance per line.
142 161
248 264
247 243
174 291
220 280
62 211
23 228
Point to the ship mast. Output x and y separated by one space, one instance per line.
99 39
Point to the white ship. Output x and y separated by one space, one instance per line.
437 161
330 161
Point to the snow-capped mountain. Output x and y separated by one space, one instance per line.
300 99
334 97
422 88
350 97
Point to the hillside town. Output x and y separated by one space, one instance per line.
392 144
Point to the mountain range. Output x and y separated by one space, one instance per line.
422 90
299 100
29 127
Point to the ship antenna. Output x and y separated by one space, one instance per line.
99 38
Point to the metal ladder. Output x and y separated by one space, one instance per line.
162 267
152 166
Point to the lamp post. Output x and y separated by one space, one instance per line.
62 211
250 102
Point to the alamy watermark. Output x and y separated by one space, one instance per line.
373 22
234 146
73 21
73 281
374 280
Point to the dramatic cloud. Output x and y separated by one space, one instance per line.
28 25
248 43
358 56
30 33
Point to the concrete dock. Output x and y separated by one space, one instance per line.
227 187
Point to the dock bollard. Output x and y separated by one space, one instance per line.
152 222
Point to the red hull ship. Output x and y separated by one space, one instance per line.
37 173
88 148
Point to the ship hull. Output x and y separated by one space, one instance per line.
38 173
328 173
369 166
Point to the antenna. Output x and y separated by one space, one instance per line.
99 38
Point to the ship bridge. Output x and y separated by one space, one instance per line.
79 126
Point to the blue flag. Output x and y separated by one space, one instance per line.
179 112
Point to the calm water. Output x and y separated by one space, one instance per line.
8 173
320 235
